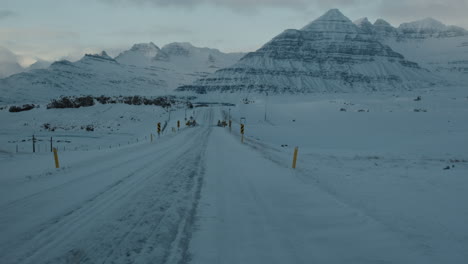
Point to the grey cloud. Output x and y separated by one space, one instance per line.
7 56
6 14
154 32
239 4
397 11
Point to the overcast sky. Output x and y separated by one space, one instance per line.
56 29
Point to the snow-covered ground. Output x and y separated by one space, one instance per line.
380 178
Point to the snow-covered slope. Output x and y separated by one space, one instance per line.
442 49
39 64
365 25
133 72
420 29
445 56
139 55
184 56
429 27
188 63
330 54
94 74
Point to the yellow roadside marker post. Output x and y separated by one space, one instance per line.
178 125
295 157
57 165
159 128
230 125
151 137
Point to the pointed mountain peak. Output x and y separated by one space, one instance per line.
333 15
364 25
104 55
140 54
332 21
381 22
361 21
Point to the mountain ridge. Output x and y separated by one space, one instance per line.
330 54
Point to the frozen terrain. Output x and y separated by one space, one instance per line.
330 54
143 70
381 178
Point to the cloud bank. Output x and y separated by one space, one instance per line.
8 63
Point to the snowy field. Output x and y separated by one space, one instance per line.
380 178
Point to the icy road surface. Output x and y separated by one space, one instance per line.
134 206
200 196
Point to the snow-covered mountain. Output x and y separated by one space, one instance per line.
94 74
429 42
429 27
383 28
39 64
139 55
187 57
133 72
188 63
330 54
420 29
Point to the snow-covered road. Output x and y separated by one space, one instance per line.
254 210
131 206
200 196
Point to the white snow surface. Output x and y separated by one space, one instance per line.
139 55
381 178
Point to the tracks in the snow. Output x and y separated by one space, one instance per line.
144 217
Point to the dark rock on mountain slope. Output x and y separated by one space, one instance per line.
331 54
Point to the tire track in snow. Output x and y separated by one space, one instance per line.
151 215
116 165
28 203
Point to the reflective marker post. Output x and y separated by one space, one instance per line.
57 165
295 157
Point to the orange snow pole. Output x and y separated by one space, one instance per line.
295 157
57 165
